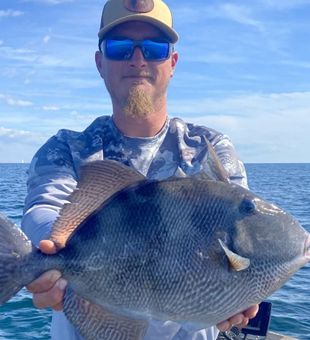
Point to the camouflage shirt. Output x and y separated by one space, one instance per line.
54 173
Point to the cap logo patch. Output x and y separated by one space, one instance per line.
139 6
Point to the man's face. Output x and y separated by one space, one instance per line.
148 77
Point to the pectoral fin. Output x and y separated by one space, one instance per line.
94 322
236 261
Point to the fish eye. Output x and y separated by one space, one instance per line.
247 206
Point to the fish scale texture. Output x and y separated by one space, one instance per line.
147 233
151 249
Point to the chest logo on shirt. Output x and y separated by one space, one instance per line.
139 6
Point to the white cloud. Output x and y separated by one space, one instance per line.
50 108
46 39
50 2
56 2
248 104
32 57
232 33
20 54
214 57
62 56
13 134
9 72
15 102
284 4
240 14
264 127
19 145
10 13
51 61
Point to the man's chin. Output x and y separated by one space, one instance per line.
139 103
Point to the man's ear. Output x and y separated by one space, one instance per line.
174 60
99 63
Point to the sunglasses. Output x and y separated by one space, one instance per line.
123 49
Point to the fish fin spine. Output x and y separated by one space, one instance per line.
237 262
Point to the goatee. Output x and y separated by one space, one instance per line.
139 104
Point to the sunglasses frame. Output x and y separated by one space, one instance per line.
136 43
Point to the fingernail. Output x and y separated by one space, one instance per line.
62 284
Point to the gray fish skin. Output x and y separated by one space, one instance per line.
152 251
158 252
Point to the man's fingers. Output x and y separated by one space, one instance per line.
53 298
48 289
228 324
45 282
59 307
251 311
224 326
236 319
240 320
233 321
243 323
48 247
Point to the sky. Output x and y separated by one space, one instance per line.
244 70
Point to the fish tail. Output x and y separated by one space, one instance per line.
15 248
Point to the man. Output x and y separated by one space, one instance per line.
136 60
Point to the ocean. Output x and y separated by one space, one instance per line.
288 185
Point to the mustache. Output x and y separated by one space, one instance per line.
145 74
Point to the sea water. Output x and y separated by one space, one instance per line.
287 185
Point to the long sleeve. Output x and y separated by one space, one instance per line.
51 180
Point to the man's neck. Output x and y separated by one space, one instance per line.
140 127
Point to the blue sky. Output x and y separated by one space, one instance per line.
244 69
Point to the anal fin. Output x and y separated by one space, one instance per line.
95 322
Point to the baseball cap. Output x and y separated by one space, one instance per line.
155 12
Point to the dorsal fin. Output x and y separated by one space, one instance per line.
215 164
99 181
236 261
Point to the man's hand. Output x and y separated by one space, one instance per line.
239 320
48 289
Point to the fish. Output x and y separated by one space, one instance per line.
193 250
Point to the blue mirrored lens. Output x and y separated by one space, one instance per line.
119 49
123 49
155 50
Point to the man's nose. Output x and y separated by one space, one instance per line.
137 58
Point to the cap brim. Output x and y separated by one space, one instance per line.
171 34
